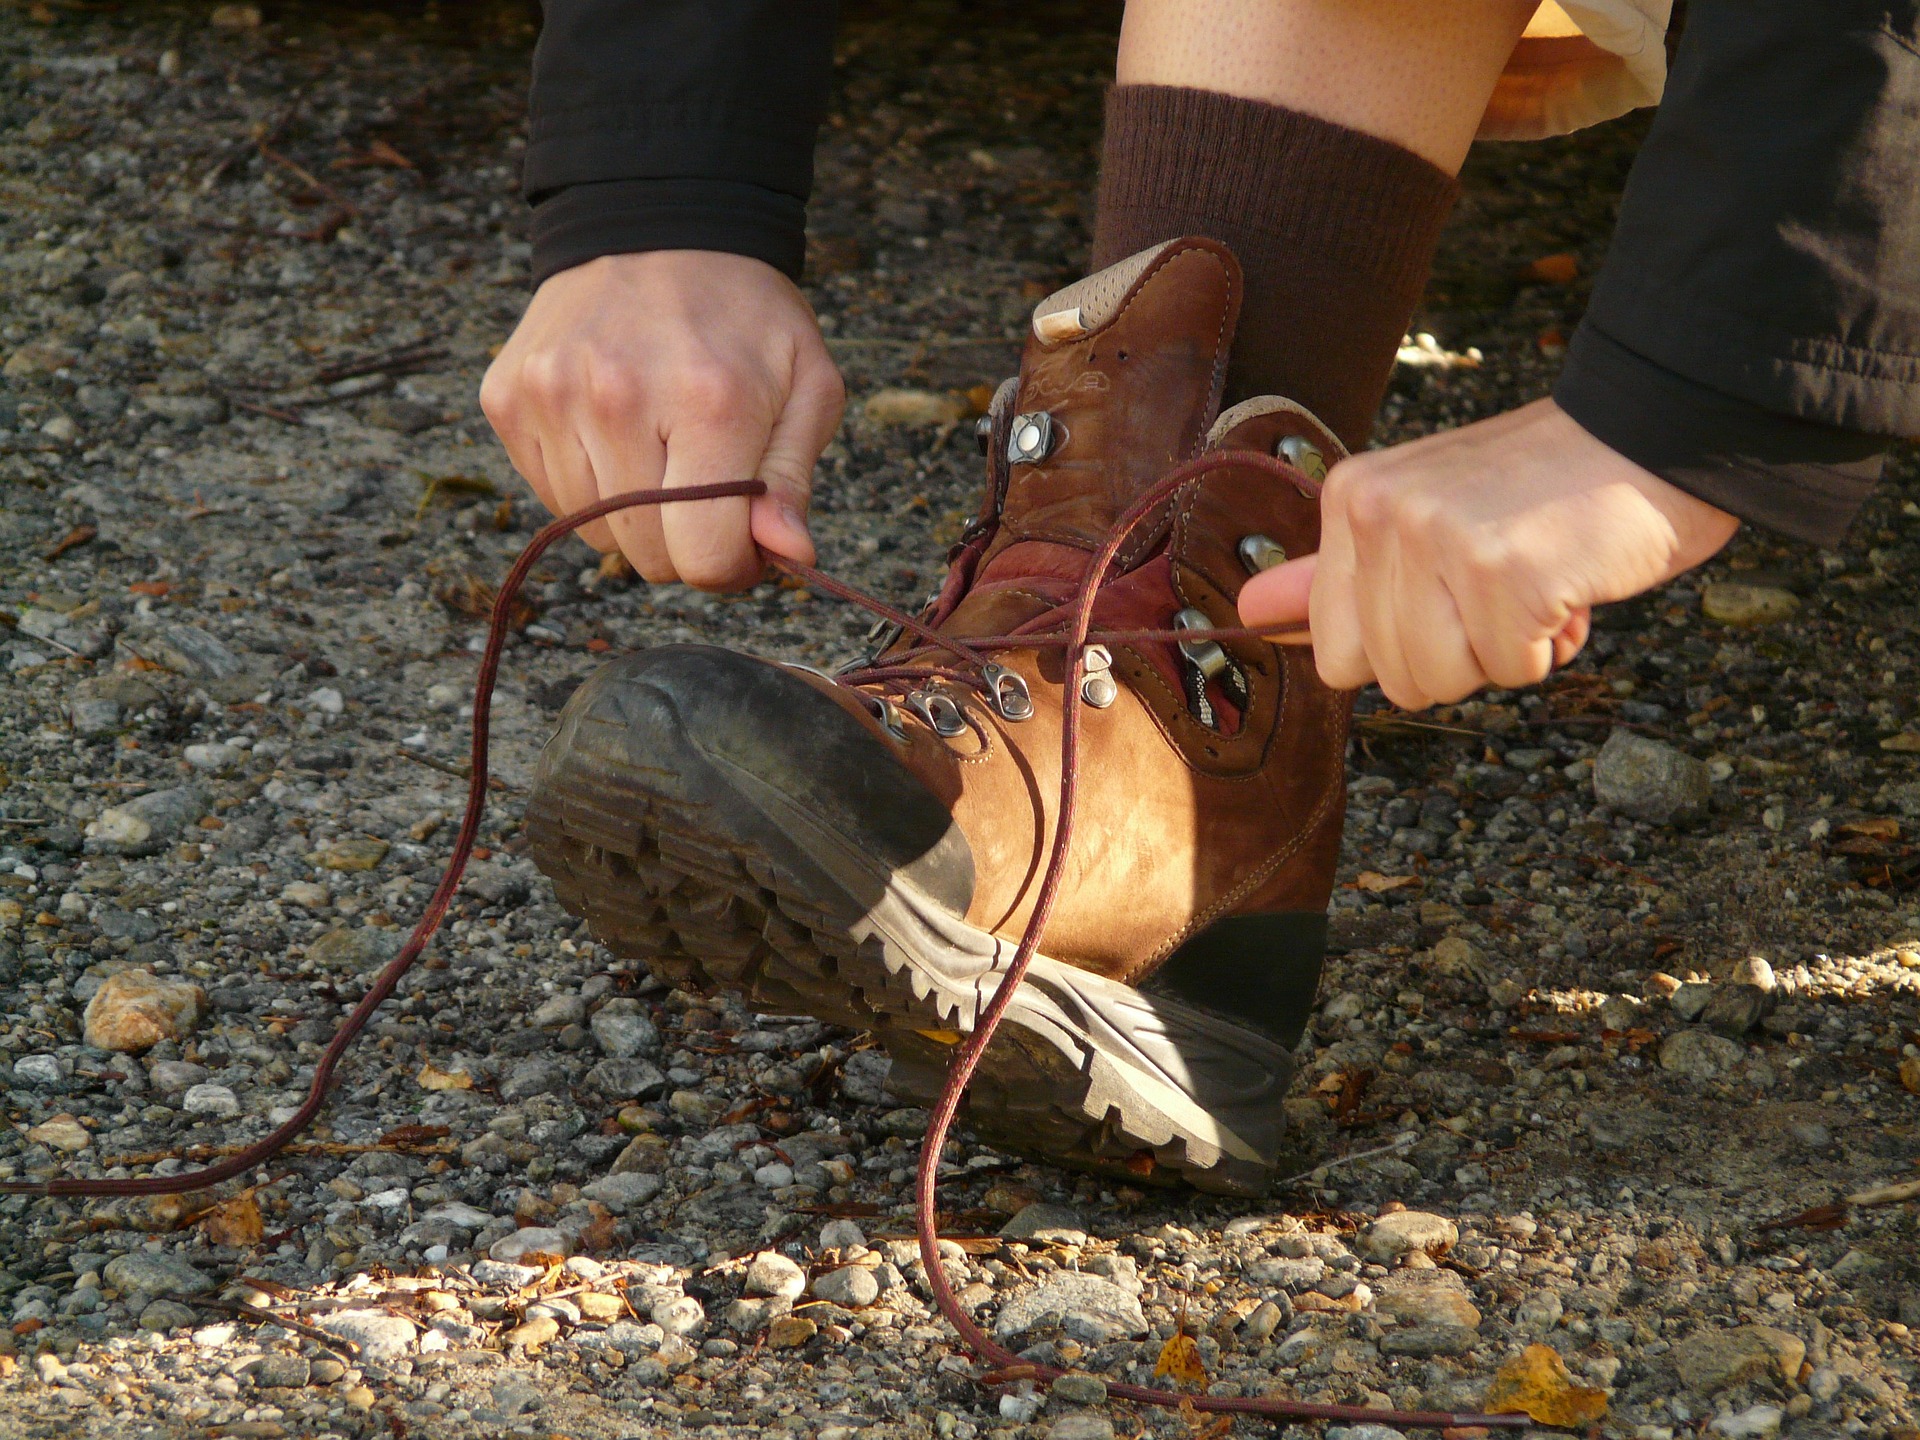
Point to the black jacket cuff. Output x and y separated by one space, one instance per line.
1802 479
619 217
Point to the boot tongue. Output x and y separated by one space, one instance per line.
1120 381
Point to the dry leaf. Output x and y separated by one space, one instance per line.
1536 1383
1180 1361
432 1077
1875 827
234 1222
1561 269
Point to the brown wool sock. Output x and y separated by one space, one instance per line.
1334 228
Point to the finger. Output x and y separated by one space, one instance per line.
1572 638
778 519
509 417
1439 656
1503 629
1331 610
709 540
612 462
1279 597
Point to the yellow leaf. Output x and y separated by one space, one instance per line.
1180 1361
1536 1383
1373 882
234 1222
432 1077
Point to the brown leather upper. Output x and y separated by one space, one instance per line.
1178 823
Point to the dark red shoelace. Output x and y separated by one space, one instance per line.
970 655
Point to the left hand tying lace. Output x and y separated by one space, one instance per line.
1474 558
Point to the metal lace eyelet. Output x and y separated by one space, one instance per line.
1008 693
1303 455
1098 687
1206 656
940 712
1261 552
889 716
1032 438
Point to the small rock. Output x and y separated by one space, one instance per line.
504 1275
357 948
1709 1361
696 1107
774 1175
841 1234
1081 1425
852 1286
351 854
1620 1013
215 756
622 1030
135 1010
532 1334
595 1306
161 1316
282 1372
1733 603
1054 1224
1539 1313
188 650
771 1273
1427 1297
62 1132
142 1272
627 1079
1078 1389
1699 1054
1736 1009
1810 1133
327 1370
899 407
210 1099
1650 781
38 1070
1758 1422
1089 1309
1393 1236
1427 1341
620 1193
1689 1002
536 1075
534 1240
558 1010
307 894
678 1315
145 824
788 1332
235 17
379 1335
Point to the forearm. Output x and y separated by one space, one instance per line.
1755 334
676 124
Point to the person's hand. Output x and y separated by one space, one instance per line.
1474 557
671 368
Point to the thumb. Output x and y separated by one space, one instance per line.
1278 596
778 519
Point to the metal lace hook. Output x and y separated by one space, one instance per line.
1008 692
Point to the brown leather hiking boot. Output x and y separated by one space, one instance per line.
868 851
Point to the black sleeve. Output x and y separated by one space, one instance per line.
1754 336
662 124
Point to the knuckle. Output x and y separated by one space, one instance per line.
609 391
1370 503
543 378
709 391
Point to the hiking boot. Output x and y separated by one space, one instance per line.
868 850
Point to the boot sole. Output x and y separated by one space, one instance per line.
716 880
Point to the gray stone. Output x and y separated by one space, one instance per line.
142 1272
1539 1313
37 1070
164 1315
1407 1231
210 1099
360 948
146 823
1086 1307
622 1030
1690 1001
1081 1425
379 1335
852 1286
504 1275
189 410
620 1193
1699 1054
863 1079
534 1240
536 1075
627 1079
745 1316
1427 1297
1077 1389
1284 1272
678 1314
839 1234
190 651
558 1010
1709 1361
1650 781
1736 1009
1055 1224
773 1274
1426 1341
277 1371
93 717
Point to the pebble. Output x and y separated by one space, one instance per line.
1392 1236
1075 1388
1088 1308
207 1098
1082 1425
1699 1054
533 1240
621 1193
789 1332
63 1132
1689 1002
622 1030
1650 780
1757 1422
143 825
853 1286
281 1371
143 1272
1709 1361
773 1274
38 1070
1054 1224
164 1315
627 1079
351 855
532 1334
1734 603
135 1010
380 1336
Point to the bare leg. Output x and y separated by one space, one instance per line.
1415 72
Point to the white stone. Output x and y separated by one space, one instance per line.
210 1099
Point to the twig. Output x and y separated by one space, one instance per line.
289 417
406 357
79 535
314 182
447 767
1399 1142
259 1316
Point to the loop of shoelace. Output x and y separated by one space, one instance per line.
972 654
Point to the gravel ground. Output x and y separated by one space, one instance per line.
252 276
